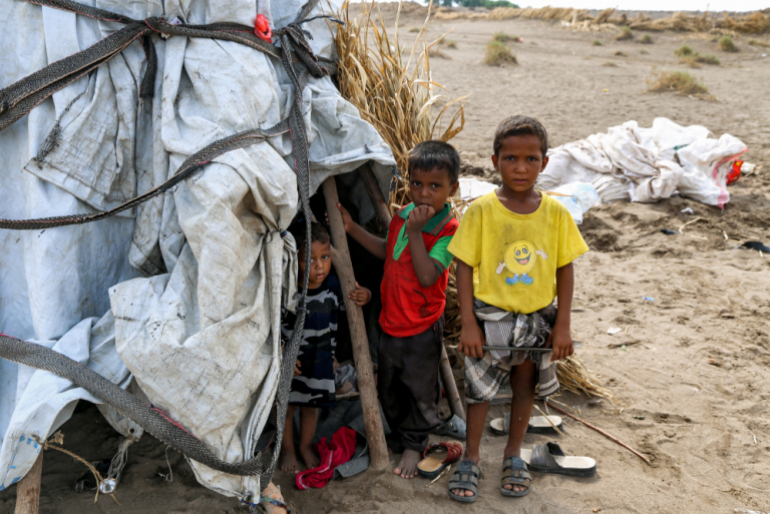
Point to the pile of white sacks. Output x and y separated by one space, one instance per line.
646 164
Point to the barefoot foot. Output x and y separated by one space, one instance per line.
407 466
310 458
289 462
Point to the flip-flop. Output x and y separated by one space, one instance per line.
437 457
453 427
515 473
465 477
537 425
549 458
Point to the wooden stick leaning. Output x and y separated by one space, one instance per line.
28 488
363 361
383 214
593 427
450 386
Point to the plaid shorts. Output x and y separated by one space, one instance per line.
483 377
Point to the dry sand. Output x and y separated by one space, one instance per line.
692 382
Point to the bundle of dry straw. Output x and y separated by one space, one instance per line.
396 97
393 94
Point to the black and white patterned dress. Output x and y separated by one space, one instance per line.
315 386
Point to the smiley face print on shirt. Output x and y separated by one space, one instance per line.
520 259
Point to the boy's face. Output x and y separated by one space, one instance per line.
520 161
320 263
431 187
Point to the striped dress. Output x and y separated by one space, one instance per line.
315 386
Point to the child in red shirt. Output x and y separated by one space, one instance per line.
413 299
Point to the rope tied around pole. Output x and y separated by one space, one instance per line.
58 439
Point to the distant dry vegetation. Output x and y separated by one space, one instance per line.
680 81
646 39
497 54
625 33
756 42
435 52
502 37
693 59
726 44
752 23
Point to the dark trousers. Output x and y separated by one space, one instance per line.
408 384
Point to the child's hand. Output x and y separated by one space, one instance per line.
419 216
297 371
360 295
347 219
472 340
561 342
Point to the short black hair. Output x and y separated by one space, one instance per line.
435 154
519 126
317 234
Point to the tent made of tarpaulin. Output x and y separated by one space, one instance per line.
180 298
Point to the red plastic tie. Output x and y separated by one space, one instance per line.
735 172
262 29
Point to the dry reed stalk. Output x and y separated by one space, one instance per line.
392 87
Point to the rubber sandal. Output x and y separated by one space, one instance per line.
517 474
465 477
549 458
537 425
453 427
437 457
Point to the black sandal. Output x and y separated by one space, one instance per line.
517 474
465 477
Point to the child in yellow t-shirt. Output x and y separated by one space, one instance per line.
515 248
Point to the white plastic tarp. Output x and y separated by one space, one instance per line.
646 164
184 294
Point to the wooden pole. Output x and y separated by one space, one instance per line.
28 489
381 208
450 386
363 360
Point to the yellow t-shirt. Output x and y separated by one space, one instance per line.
515 256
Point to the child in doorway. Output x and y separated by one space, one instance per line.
313 384
413 298
515 248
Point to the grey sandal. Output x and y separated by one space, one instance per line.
465 477
515 473
453 427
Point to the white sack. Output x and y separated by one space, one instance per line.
647 164
195 277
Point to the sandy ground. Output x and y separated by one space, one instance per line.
692 383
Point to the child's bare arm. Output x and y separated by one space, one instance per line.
424 267
471 336
561 338
360 295
375 245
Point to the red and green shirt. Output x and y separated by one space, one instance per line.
407 307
